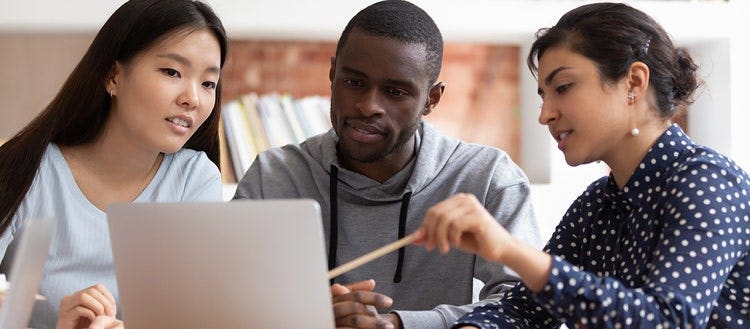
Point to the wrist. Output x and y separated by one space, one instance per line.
532 265
393 319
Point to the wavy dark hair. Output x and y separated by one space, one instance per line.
614 36
79 110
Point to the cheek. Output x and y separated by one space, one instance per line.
206 107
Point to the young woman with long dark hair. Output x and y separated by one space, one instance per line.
136 121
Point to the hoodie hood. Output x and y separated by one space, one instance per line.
432 157
353 187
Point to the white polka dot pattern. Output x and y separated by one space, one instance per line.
669 250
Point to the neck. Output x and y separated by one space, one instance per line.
624 158
119 158
111 169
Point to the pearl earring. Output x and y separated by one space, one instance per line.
631 99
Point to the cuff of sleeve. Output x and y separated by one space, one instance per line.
421 319
558 291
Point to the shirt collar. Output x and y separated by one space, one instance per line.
662 157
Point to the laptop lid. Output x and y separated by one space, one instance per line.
26 272
242 264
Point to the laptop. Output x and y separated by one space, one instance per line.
26 272
242 264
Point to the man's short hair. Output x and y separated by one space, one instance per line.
403 21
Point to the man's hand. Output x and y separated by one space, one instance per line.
354 306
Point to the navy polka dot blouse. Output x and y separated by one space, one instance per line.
669 250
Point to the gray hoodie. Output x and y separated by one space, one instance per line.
367 215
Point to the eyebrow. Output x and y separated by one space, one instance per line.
184 61
551 76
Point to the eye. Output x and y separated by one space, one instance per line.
563 88
209 85
353 83
396 92
171 72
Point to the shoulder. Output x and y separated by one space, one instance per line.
446 152
707 179
190 162
491 159
187 175
701 165
315 151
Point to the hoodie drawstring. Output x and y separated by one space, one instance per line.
334 228
401 232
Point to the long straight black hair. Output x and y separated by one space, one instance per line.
78 113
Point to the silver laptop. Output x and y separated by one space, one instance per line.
242 264
26 272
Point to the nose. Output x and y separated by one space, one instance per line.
370 103
188 98
547 114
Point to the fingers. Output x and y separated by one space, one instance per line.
354 313
97 298
460 221
357 308
367 285
106 322
84 306
455 212
431 220
338 290
439 221
365 298
363 322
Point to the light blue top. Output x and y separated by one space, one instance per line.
80 254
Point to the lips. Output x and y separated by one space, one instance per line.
561 137
181 120
364 127
362 132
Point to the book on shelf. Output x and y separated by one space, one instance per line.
254 123
225 159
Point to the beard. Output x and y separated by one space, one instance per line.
346 150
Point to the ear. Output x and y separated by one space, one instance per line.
110 85
638 76
332 70
436 92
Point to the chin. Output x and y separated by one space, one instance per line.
574 161
171 148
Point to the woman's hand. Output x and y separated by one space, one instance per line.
106 322
82 309
461 221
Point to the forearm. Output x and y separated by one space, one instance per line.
533 266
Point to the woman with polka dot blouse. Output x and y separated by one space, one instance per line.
663 241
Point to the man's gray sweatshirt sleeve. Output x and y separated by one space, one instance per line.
511 206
